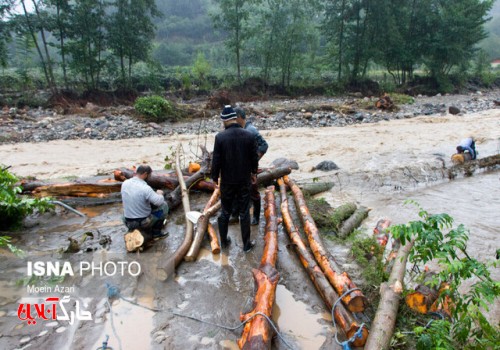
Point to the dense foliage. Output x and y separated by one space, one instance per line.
98 44
154 108
13 207
436 240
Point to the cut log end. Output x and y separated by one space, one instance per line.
358 342
358 303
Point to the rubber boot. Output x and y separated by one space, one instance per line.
223 228
256 212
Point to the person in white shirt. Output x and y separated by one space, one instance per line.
143 208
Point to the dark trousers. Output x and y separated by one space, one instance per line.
153 222
235 196
255 201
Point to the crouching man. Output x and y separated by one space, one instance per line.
143 208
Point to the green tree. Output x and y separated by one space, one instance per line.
35 25
349 30
130 32
233 18
4 31
87 45
57 23
283 35
455 27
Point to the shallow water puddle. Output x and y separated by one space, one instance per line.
294 318
133 325
221 259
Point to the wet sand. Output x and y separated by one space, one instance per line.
218 288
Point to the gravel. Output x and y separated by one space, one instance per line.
42 125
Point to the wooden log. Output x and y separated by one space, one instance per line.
266 177
391 291
214 240
201 228
210 209
342 213
425 297
167 267
257 333
164 181
354 301
95 189
313 188
353 222
343 319
381 231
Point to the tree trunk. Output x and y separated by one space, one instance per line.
353 222
211 208
383 325
167 268
354 301
343 318
163 181
313 188
342 213
266 177
257 333
214 240
99 189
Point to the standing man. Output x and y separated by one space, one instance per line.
235 160
143 208
262 147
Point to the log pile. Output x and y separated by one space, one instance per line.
343 318
341 282
257 332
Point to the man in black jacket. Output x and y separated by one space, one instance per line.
235 160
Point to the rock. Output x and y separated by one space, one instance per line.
284 162
454 110
308 115
326 165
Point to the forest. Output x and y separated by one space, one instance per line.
202 45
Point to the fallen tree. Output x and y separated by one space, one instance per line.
391 291
354 301
257 332
343 318
353 222
167 268
97 189
163 181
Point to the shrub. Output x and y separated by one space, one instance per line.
14 208
155 108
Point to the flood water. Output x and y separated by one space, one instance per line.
217 288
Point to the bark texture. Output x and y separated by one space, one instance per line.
390 295
354 301
257 333
343 318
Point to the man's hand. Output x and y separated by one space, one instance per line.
253 178
160 192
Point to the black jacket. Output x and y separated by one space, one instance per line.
235 156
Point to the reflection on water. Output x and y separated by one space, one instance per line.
219 259
126 327
295 318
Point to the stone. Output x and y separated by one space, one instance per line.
454 110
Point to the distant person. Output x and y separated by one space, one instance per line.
467 145
235 161
262 147
143 208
